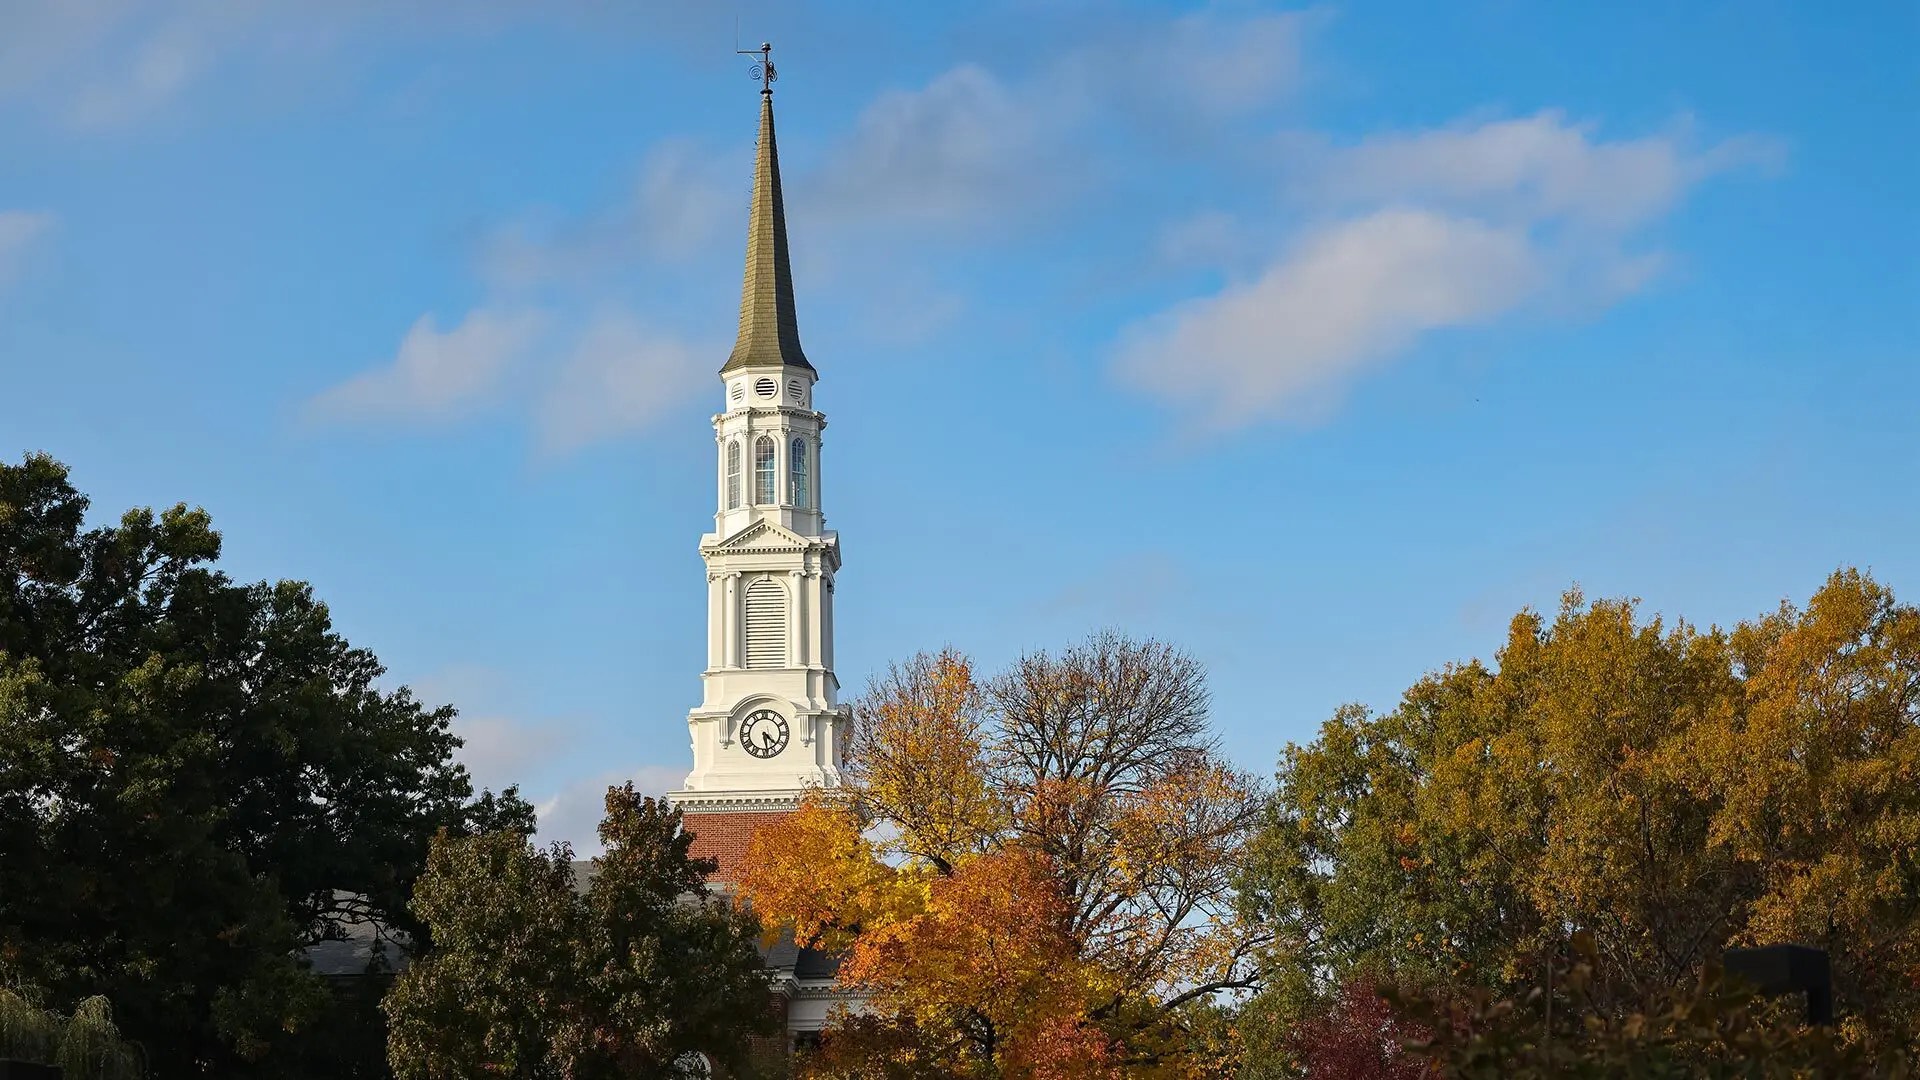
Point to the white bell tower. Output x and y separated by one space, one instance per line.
769 725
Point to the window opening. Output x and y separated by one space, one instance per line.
797 470
764 481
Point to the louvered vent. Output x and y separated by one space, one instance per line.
739 391
766 625
795 390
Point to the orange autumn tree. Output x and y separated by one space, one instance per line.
1029 877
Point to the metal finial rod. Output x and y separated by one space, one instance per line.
762 72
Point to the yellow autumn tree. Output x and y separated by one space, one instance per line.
1030 877
1664 791
1818 784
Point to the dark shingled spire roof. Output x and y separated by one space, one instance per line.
769 332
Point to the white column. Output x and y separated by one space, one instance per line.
816 628
797 620
731 617
782 470
716 621
826 622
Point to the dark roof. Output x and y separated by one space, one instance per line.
356 948
814 964
354 956
769 329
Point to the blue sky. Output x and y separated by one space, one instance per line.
1315 340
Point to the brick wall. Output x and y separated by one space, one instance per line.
723 835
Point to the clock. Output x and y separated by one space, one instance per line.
764 734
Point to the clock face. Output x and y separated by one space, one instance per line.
764 734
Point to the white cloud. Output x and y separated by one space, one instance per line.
1447 228
972 150
612 376
19 230
1346 297
619 377
436 375
966 150
1532 168
573 813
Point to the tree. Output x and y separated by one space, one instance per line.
1711 1029
531 977
84 1046
1354 1035
1032 877
1666 791
198 779
1818 782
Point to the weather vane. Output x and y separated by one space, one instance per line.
762 71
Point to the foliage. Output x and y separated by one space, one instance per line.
864 1046
532 977
1029 878
91 1047
1668 791
27 1032
1356 1036
87 1046
198 778
1710 1029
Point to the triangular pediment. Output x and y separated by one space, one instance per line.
763 536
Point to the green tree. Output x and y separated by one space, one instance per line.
1669 792
198 779
530 977
85 1046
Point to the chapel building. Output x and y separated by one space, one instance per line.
769 725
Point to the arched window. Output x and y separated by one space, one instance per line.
797 471
766 490
766 624
733 474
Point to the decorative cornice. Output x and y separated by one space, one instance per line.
740 802
774 800
823 988
767 536
769 549
771 410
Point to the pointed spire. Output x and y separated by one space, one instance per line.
769 330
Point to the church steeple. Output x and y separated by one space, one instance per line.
769 330
769 725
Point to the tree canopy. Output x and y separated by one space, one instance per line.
533 977
198 779
1664 791
1030 877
